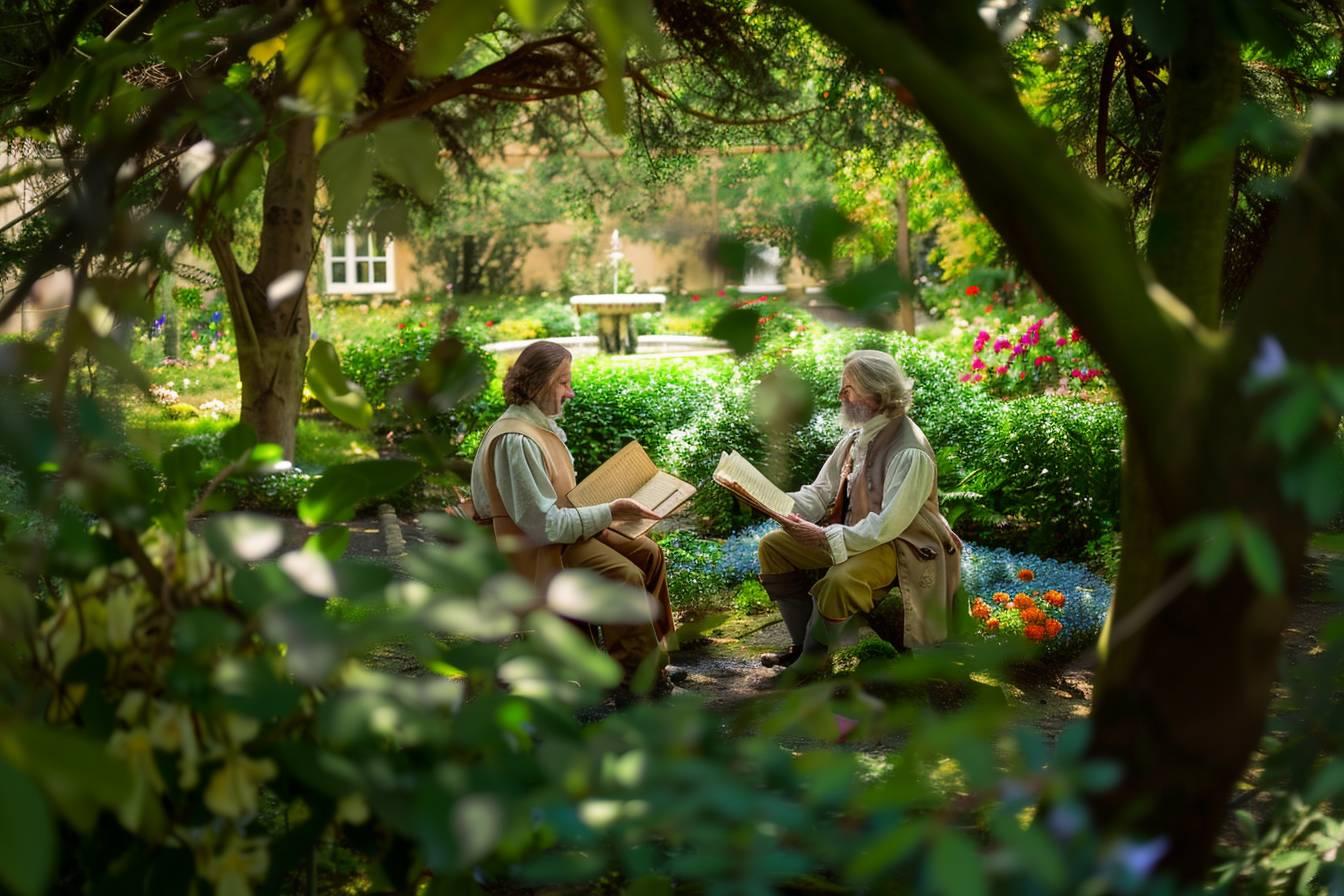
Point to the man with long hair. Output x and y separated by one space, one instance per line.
868 521
519 480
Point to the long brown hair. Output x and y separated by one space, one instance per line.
533 371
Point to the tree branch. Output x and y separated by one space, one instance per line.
1070 237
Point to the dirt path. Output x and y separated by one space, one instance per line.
724 668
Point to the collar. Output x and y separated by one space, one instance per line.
871 429
530 413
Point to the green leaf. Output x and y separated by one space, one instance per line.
204 630
334 497
1072 741
330 542
331 60
229 116
878 287
55 81
408 153
27 835
445 32
1214 552
347 168
237 440
178 37
1328 782
957 867
818 229
1262 559
339 395
535 15
737 327
240 538
78 774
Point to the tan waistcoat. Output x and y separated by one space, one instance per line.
928 555
538 562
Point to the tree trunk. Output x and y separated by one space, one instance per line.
906 317
269 305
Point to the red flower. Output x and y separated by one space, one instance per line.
695 298
1035 632
1052 627
1054 598
1061 342
1001 369
992 624
1026 575
722 293
972 290
402 325
489 323
1075 335
1022 375
989 309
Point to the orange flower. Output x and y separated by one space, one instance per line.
1023 602
1052 627
1026 575
1033 616
1054 598
992 624
1035 632
1001 597
979 609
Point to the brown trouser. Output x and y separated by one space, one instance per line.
637 562
845 588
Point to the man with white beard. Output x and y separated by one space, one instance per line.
870 520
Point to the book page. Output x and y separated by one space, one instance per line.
620 476
738 474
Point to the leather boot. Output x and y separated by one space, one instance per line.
789 591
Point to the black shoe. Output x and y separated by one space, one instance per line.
782 660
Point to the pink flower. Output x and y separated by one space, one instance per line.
965 377
978 364
1075 373
978 377
722 293
1061 342
1001 369
1001 344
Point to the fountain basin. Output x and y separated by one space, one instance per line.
652 347
615 317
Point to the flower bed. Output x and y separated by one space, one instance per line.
1060 606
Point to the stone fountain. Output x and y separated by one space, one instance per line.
616 310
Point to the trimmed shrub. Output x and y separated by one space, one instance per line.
380 365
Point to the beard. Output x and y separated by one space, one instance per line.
853 415
551 407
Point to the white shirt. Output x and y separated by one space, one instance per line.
528 495
910 476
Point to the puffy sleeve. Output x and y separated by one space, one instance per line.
910 476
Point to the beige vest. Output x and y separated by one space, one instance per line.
928 555
538 562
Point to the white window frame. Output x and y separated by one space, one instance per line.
353 242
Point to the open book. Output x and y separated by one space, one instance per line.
739 476
629 473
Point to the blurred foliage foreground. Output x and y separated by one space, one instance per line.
181 714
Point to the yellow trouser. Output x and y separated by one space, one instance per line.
846 588
637 562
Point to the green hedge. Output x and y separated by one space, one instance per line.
380 365
1051 464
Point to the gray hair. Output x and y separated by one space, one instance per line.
877 374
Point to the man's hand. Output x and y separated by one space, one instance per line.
630 509
802 531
